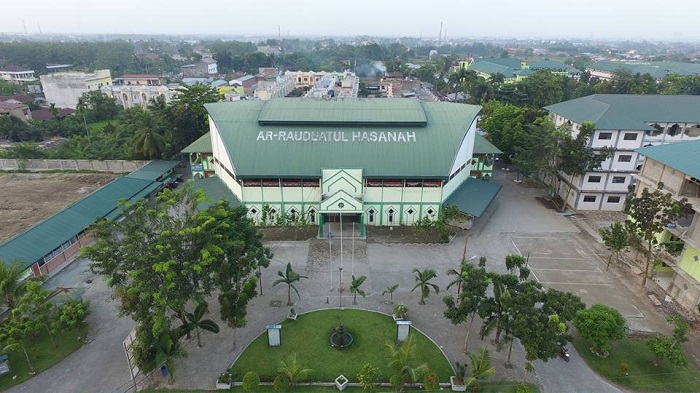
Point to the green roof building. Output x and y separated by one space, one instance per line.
48 245
675 169
657 69
382 162
625 123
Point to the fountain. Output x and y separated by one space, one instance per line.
341 338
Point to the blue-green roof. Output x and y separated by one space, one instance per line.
657 69
44 237
201 145
488 67
483 146
153 170
473 196
416 151
51 233
681 156
216 190
629 112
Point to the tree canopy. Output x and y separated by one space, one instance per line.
162 257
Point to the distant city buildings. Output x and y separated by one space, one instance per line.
204 68
138 90
515 70
17 74
64 89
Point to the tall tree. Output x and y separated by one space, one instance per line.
13 333
671 347
34 307
149 144
423 282
475 282
187 117
159 258
355 287
245 256
599 325
289 277
616 239
504 124
649 213
11 284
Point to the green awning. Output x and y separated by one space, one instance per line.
473 196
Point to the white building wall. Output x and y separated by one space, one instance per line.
222 158
466 149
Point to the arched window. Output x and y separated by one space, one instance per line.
371 216
391 215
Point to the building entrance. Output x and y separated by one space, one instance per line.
346 225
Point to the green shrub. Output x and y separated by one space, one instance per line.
251 381
368 377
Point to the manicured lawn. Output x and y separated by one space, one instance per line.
42 354
643 375
309 337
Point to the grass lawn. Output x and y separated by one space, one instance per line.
42 355
309 337
643 375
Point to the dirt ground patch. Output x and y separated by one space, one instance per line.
28 198
288 233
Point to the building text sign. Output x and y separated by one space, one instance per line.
338 136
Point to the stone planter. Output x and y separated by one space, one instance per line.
341 382
223 385
456 387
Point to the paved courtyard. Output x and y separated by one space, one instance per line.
560 254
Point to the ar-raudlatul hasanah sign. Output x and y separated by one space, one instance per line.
338 136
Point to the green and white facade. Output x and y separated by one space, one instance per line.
373 162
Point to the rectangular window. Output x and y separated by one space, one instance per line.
624 158
605 135
589 198
630 136
594 179
618 179
613 199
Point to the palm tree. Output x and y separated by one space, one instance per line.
390 290
402 359
460 279
481 368
423 282
292 370
289 277
496 312
355 288
149 143
11 285
195 322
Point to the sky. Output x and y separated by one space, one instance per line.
590 19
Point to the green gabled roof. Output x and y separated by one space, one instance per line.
153 170
473 196
44 237
629 112
430 156
657 69
201 145
490 68
352 112
509 62
553 65
681 156
483 146
216 190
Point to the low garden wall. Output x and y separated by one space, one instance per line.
40 165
